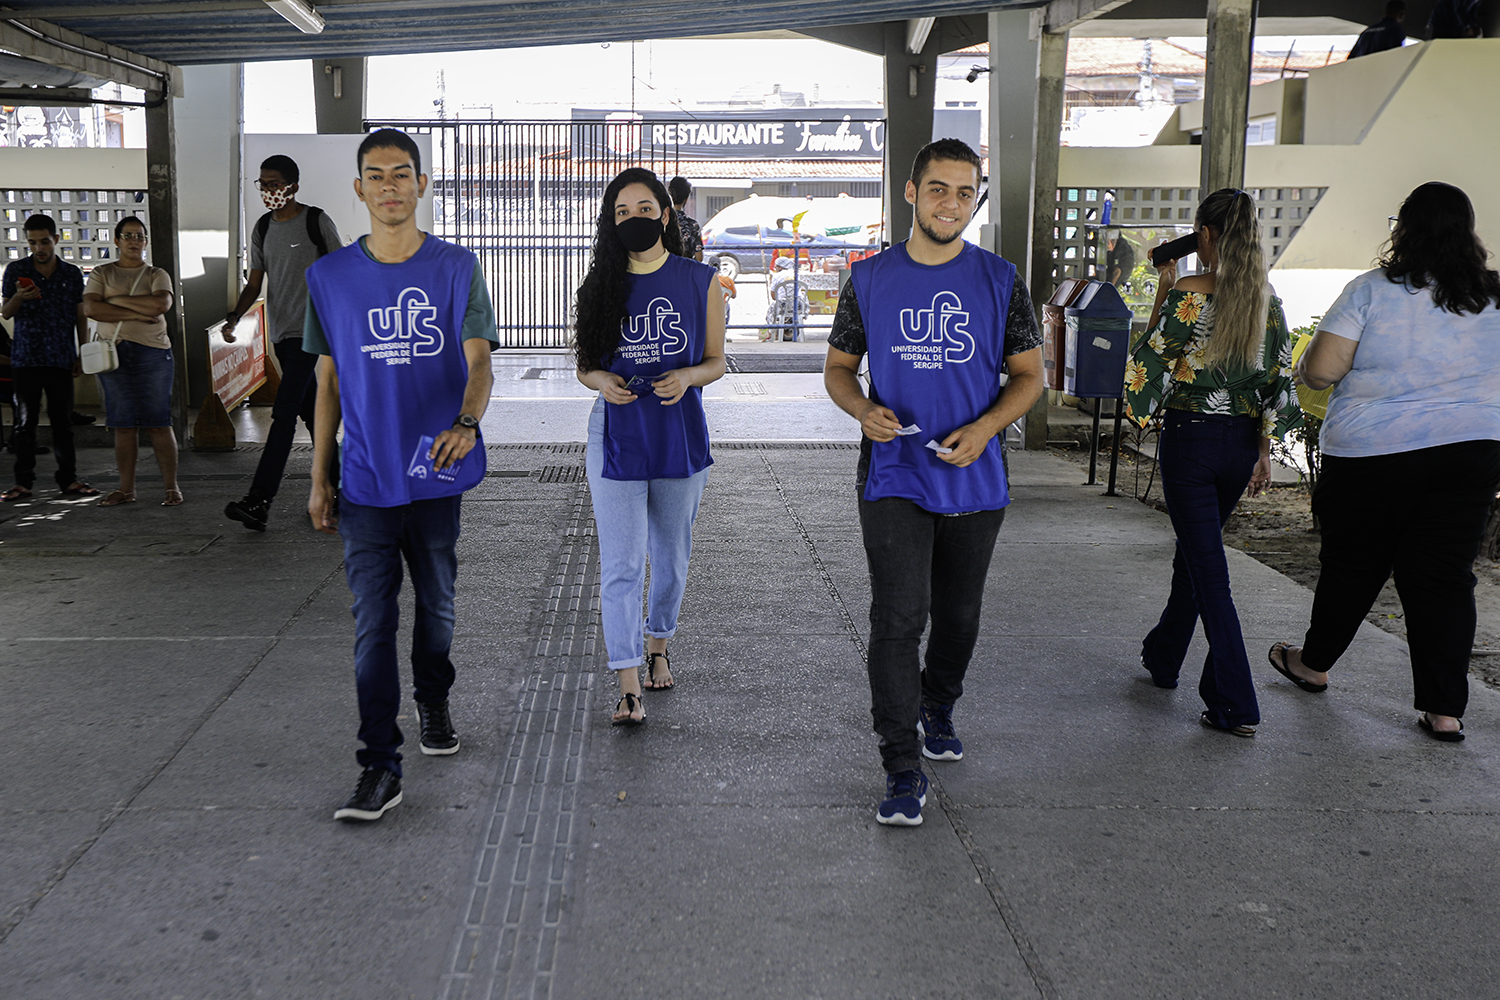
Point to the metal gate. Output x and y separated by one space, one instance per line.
524 197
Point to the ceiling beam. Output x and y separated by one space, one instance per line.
1062 15
47 43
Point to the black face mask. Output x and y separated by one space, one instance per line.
638 233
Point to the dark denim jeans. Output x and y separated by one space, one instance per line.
921 565
1206 461
1420 515
376 539
296 396
29 385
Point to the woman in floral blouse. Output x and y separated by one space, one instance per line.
1218 358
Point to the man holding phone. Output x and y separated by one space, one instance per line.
404 326
938 318
44 297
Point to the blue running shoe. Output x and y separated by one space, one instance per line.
939 742
905 795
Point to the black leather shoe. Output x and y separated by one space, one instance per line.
378 790
251 512
438 738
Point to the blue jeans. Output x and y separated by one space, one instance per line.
376 539
1206 461
636 520
922 565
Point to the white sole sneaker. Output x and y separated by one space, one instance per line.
367 814
436 752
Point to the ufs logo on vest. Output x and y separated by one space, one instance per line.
405 330
653 334
936 335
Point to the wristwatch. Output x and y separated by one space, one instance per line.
466 422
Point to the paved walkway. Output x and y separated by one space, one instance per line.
179 715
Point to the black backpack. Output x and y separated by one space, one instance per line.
314 229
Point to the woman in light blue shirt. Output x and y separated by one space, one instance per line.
1411 451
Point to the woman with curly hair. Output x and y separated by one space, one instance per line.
650 335
1411 451
1218 357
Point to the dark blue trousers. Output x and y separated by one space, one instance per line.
376 540
1206 461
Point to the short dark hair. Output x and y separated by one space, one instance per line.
389 138
1396 8
120 226
680 190
283 165
944 149
39 221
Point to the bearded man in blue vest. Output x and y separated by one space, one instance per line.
940 319
404 326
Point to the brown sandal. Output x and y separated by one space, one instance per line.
117 497
174 498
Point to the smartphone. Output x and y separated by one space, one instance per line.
25 282
1176 250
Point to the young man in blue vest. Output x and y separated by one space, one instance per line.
284 243
939 319
405 328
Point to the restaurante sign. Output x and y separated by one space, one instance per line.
815 134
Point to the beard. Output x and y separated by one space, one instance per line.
933 235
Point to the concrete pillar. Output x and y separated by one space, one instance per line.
1027 67
207 164
339 95
909 92
1226 94
161 200
1014 64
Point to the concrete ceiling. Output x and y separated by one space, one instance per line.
220 31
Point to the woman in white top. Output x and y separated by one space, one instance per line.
1411 451
129 298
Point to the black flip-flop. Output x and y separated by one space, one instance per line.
15 493
1286 671
1440 735
630 700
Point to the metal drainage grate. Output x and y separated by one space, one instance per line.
561 474
749 388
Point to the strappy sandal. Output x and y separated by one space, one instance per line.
628 703
651 684
174 498
117 497
1245 731
15 493
80 489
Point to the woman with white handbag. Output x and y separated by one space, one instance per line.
128 298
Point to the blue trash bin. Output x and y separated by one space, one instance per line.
1097 344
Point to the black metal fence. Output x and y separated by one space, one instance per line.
524 197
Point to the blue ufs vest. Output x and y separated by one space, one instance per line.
935 337
394 332
666 328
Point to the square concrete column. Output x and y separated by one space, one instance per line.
1226 94
1027 67
339 95
161 200
910 88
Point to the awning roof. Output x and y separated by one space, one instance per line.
220 31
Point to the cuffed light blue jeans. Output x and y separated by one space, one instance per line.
637 520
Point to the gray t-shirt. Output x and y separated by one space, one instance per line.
285 257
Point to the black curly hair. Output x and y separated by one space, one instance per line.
599 307
1435 243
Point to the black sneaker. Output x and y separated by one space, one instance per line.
252 512
438 738
378 791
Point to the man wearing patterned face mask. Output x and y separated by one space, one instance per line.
283 244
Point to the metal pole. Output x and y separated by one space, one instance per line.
1094 450
1114 454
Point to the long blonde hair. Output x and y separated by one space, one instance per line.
1240 300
